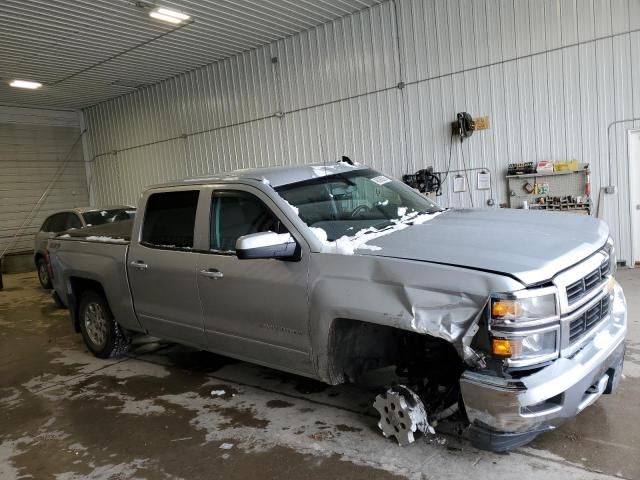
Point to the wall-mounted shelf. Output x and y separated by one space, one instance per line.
548 174
565 185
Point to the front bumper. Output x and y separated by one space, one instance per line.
507 413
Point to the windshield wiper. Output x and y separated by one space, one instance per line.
383 224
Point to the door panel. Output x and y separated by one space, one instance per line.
255 309
262 300
162 269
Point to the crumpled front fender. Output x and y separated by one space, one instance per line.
437 300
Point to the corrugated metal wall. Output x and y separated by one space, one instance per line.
551 74
34 145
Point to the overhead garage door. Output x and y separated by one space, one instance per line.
32 159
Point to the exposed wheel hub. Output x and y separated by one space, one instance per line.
402 414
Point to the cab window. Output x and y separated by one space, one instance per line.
238 213
170 219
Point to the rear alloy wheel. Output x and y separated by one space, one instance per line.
100 332
43 273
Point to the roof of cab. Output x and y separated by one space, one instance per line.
274 176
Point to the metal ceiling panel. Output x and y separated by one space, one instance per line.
89 51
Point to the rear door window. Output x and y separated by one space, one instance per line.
100 217
238 213
169 220
73 221
58 223
45 225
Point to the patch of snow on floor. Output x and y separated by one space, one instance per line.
107 472
9 397
8 450
142 407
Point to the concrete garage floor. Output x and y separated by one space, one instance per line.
66 415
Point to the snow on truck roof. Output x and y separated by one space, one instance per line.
274 176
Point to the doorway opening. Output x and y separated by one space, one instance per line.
634 193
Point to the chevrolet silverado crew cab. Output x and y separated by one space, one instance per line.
509 319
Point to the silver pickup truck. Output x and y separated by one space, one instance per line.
511 319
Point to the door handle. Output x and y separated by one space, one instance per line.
212 273
139 264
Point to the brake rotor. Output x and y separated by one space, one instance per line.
402 414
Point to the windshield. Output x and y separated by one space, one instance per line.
345 203
100 217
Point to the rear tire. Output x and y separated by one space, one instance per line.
100 331
43 274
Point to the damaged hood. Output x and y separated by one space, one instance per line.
528 245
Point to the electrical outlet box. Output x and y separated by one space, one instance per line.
482 123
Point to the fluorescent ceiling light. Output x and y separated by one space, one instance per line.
25 84
167 15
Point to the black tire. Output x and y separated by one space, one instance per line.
101 333
43 274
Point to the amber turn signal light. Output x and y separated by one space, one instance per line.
501 347
505 308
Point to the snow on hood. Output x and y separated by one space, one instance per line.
347 245
530 245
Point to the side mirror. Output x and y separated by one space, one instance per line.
266 245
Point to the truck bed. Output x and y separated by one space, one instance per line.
97 254
120 232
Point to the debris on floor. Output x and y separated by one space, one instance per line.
226 446
320 436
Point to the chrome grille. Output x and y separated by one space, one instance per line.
588 283
589 319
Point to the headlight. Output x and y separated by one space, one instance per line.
611 251
532 346
525 326
609 245
507 310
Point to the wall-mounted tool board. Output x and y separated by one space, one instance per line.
562 184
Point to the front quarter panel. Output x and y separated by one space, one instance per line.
438 300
